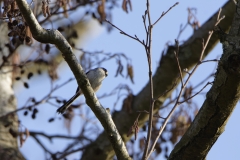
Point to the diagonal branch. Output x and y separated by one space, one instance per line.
55 37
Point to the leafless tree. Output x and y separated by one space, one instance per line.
22 23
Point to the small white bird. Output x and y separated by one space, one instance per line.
95 76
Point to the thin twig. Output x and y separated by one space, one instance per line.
40 143
219 19
180 94
124 33
164 93
50 137
151 107
164 13
144 22
148 47
210 60
203 81
65 154
181 30
157 116
185 100
176 56
43 100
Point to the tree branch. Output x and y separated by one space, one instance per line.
55 37
220 102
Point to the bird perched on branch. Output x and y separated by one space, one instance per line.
95 76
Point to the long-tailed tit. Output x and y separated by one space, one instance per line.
95 76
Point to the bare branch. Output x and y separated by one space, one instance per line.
196 93
164 13
179 67
180 93
124 33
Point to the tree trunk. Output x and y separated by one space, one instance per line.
8 124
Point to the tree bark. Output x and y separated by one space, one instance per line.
8 124
188 56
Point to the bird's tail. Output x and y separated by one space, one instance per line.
65 106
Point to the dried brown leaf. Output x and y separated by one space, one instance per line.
126 4
48 11
44 8
101 10
127 104
130 72
28 37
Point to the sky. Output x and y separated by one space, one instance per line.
100 40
